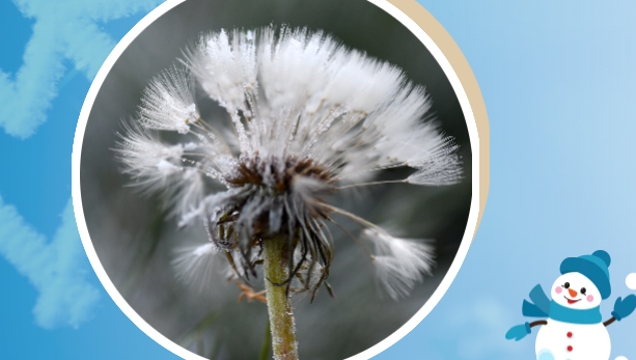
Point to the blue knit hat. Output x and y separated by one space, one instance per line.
594 267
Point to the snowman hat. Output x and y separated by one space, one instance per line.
595 267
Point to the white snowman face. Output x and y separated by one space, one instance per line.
576 291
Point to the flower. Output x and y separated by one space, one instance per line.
308 118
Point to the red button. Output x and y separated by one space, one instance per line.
570 348
569 334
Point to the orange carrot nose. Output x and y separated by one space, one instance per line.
573 293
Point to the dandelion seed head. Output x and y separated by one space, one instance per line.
305 116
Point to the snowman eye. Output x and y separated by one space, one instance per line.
583 291
566 285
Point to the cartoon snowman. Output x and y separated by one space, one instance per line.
574 328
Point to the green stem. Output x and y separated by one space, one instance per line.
281 317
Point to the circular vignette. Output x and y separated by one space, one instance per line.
432 35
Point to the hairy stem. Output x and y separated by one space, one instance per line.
281 317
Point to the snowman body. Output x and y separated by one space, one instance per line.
580 338
567 341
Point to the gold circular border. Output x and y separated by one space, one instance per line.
460 65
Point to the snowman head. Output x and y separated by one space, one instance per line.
574 290
584 281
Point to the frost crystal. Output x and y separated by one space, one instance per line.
307 118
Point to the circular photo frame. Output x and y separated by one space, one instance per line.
342 182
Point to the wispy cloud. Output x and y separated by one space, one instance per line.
57 268
63 30
473 329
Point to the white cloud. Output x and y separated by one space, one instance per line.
63 30
57 269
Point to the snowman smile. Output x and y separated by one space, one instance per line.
571 301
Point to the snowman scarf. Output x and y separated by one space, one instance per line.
543 307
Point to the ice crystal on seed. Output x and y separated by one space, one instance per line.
307 118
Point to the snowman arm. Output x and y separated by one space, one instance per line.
609 321
538 322
623 308
520 331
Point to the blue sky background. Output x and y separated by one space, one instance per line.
559 84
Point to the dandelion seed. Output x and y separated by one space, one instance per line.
194 264
168 102
400 263
309 118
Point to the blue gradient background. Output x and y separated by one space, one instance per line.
559 84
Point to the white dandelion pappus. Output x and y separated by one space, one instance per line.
147 159
168 102
401 262
194 264
307 118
